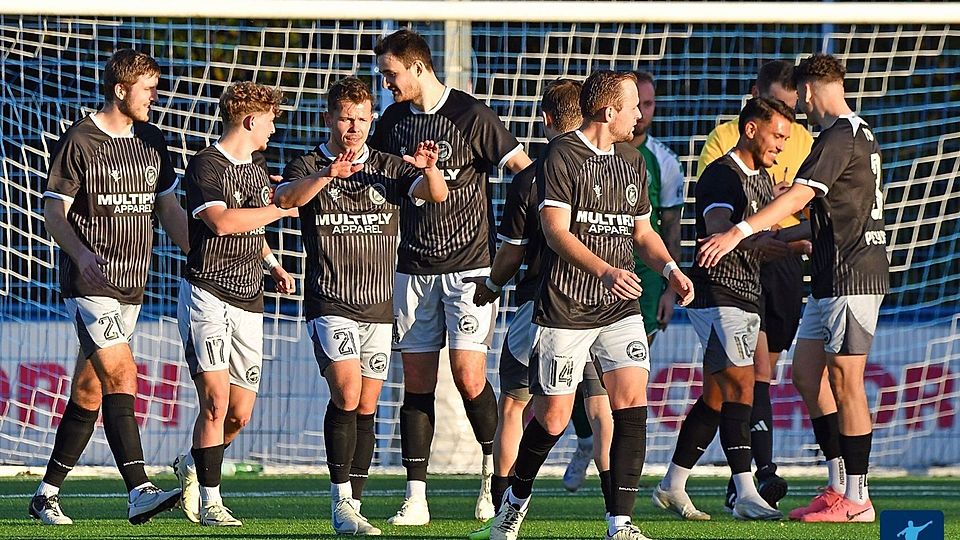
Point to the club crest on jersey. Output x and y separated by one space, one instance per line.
151 175
115 174
596 189
378 363
633 194
265 195
468 324
444 151
253 375
378 194
637 350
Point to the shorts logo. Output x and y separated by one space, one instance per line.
378 363
378 194
637 350
468 324
265 195
444 150
151 175
253 375
633 194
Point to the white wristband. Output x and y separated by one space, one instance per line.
745 228
668 268
270 262
491 285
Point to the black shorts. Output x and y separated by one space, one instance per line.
781 302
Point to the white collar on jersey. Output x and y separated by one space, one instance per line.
362 158
230 158
743 166
96 122
590 145
855 121
435 108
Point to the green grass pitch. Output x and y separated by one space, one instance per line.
299 508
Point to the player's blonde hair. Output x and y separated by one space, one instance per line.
243 98
561 100
603 89
125 67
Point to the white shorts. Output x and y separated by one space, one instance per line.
845 324
432 310
339 338
218 336
559 354
101 322
727 334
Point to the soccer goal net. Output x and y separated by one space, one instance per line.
902 78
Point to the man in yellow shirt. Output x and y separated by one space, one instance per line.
780 311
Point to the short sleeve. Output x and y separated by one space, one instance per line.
204 184
491 139
555 185
514 227
827 160
296 169
68 168
153 137
719 187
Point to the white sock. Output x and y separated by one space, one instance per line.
135 492
341 491
857 488
615 523
676 478
210 496
47 490
585 444
487 467
514 500
835 474
746 489
416 489
191 465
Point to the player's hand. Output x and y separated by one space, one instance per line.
780 188
89 266
343 166
481 294
681 284
285 282
425 156
801 247
768 245
715 246
665 308
276 178
624 284
290 212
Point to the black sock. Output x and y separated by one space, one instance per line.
73 434
123 434
417 418
735 435
363 455
697 431
607 492
535 445
856 452
761 430
580 422
498 486
826 430
209 462
340 441
482 414
627 453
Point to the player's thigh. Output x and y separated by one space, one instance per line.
246 357
736 384
728 336
557 359
85 389
213 393
592 384
242 401
849 323
336 347
418 313
622 352
469 327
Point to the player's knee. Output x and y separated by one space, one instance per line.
347 399
236 421
87 393
554 422
213 409
470 384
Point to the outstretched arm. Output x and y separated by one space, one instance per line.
299 192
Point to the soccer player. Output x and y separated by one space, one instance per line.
850 277
665 190
725 313
220 308
594 213
780 278
108 175
350 194
440 247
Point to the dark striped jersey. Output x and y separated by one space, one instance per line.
520 226
458 234
735 281
350 233
111 183
606 193
229 266
849 242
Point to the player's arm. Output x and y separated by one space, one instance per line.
505 264
224 221
719 219
88 263
796 233
432 188
648 245
285 282
518 162
173 218
303 188
670 232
